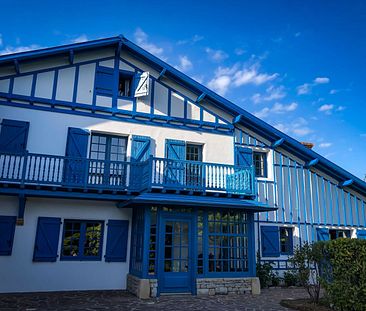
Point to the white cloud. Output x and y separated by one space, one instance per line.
185 63
276 108
325 145
142 40
299 127
272 93
327 108
298 34
304 89
321 80
194 39
216 55
334 91
238 75
239 51
81 38
220 84
341 108
1 40
18 49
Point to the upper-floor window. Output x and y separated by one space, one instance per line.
108 147
260 163
82 240
193 152
125 84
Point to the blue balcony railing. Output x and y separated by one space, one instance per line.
158 173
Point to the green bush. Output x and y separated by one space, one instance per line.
275 279
290 278
344 273
306 260
264 273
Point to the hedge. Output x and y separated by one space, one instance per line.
344 273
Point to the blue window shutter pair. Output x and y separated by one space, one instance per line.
14 136
243 156
141 148
322 234
117 239
104 81
175 149
361 234
7 230
270 238
47 237
76 151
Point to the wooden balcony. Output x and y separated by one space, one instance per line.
155 174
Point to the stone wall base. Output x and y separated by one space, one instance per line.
228 286
142 288
148 288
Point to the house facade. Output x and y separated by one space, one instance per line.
117 171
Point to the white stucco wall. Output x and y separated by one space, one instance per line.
18 273
48 133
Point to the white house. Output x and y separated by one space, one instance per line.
117 171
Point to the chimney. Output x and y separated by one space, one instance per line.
307 144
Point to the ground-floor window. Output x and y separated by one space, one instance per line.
336 233
220 239
82 240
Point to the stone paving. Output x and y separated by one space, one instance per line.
121 300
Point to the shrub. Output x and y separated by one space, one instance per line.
290 278
306 260
264 273
275 279
344 276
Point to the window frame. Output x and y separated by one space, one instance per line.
263 156
108 145
82 257
290 242
126 74
337 231
199 154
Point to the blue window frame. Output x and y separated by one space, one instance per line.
227 241
337 233
286 241
137 241
260 164
82 240
125 84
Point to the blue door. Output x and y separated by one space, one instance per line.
175 255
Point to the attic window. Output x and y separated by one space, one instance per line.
125 84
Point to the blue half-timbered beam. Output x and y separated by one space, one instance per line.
200 98
71 57
278 143
162 73
311 163
21 209
16 66
119 49
345 183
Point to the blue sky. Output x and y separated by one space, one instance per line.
299 65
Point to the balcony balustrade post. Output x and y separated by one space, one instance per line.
24 170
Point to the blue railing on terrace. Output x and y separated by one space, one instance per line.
42 169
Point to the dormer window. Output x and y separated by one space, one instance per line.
125 84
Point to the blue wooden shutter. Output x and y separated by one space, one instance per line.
243 156
270 238
175 149
117 238
175 171
46 245
7 230
13 135
322 234
104 81
361 234
76 151
141 148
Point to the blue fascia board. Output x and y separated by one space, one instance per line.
247 119
278 143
